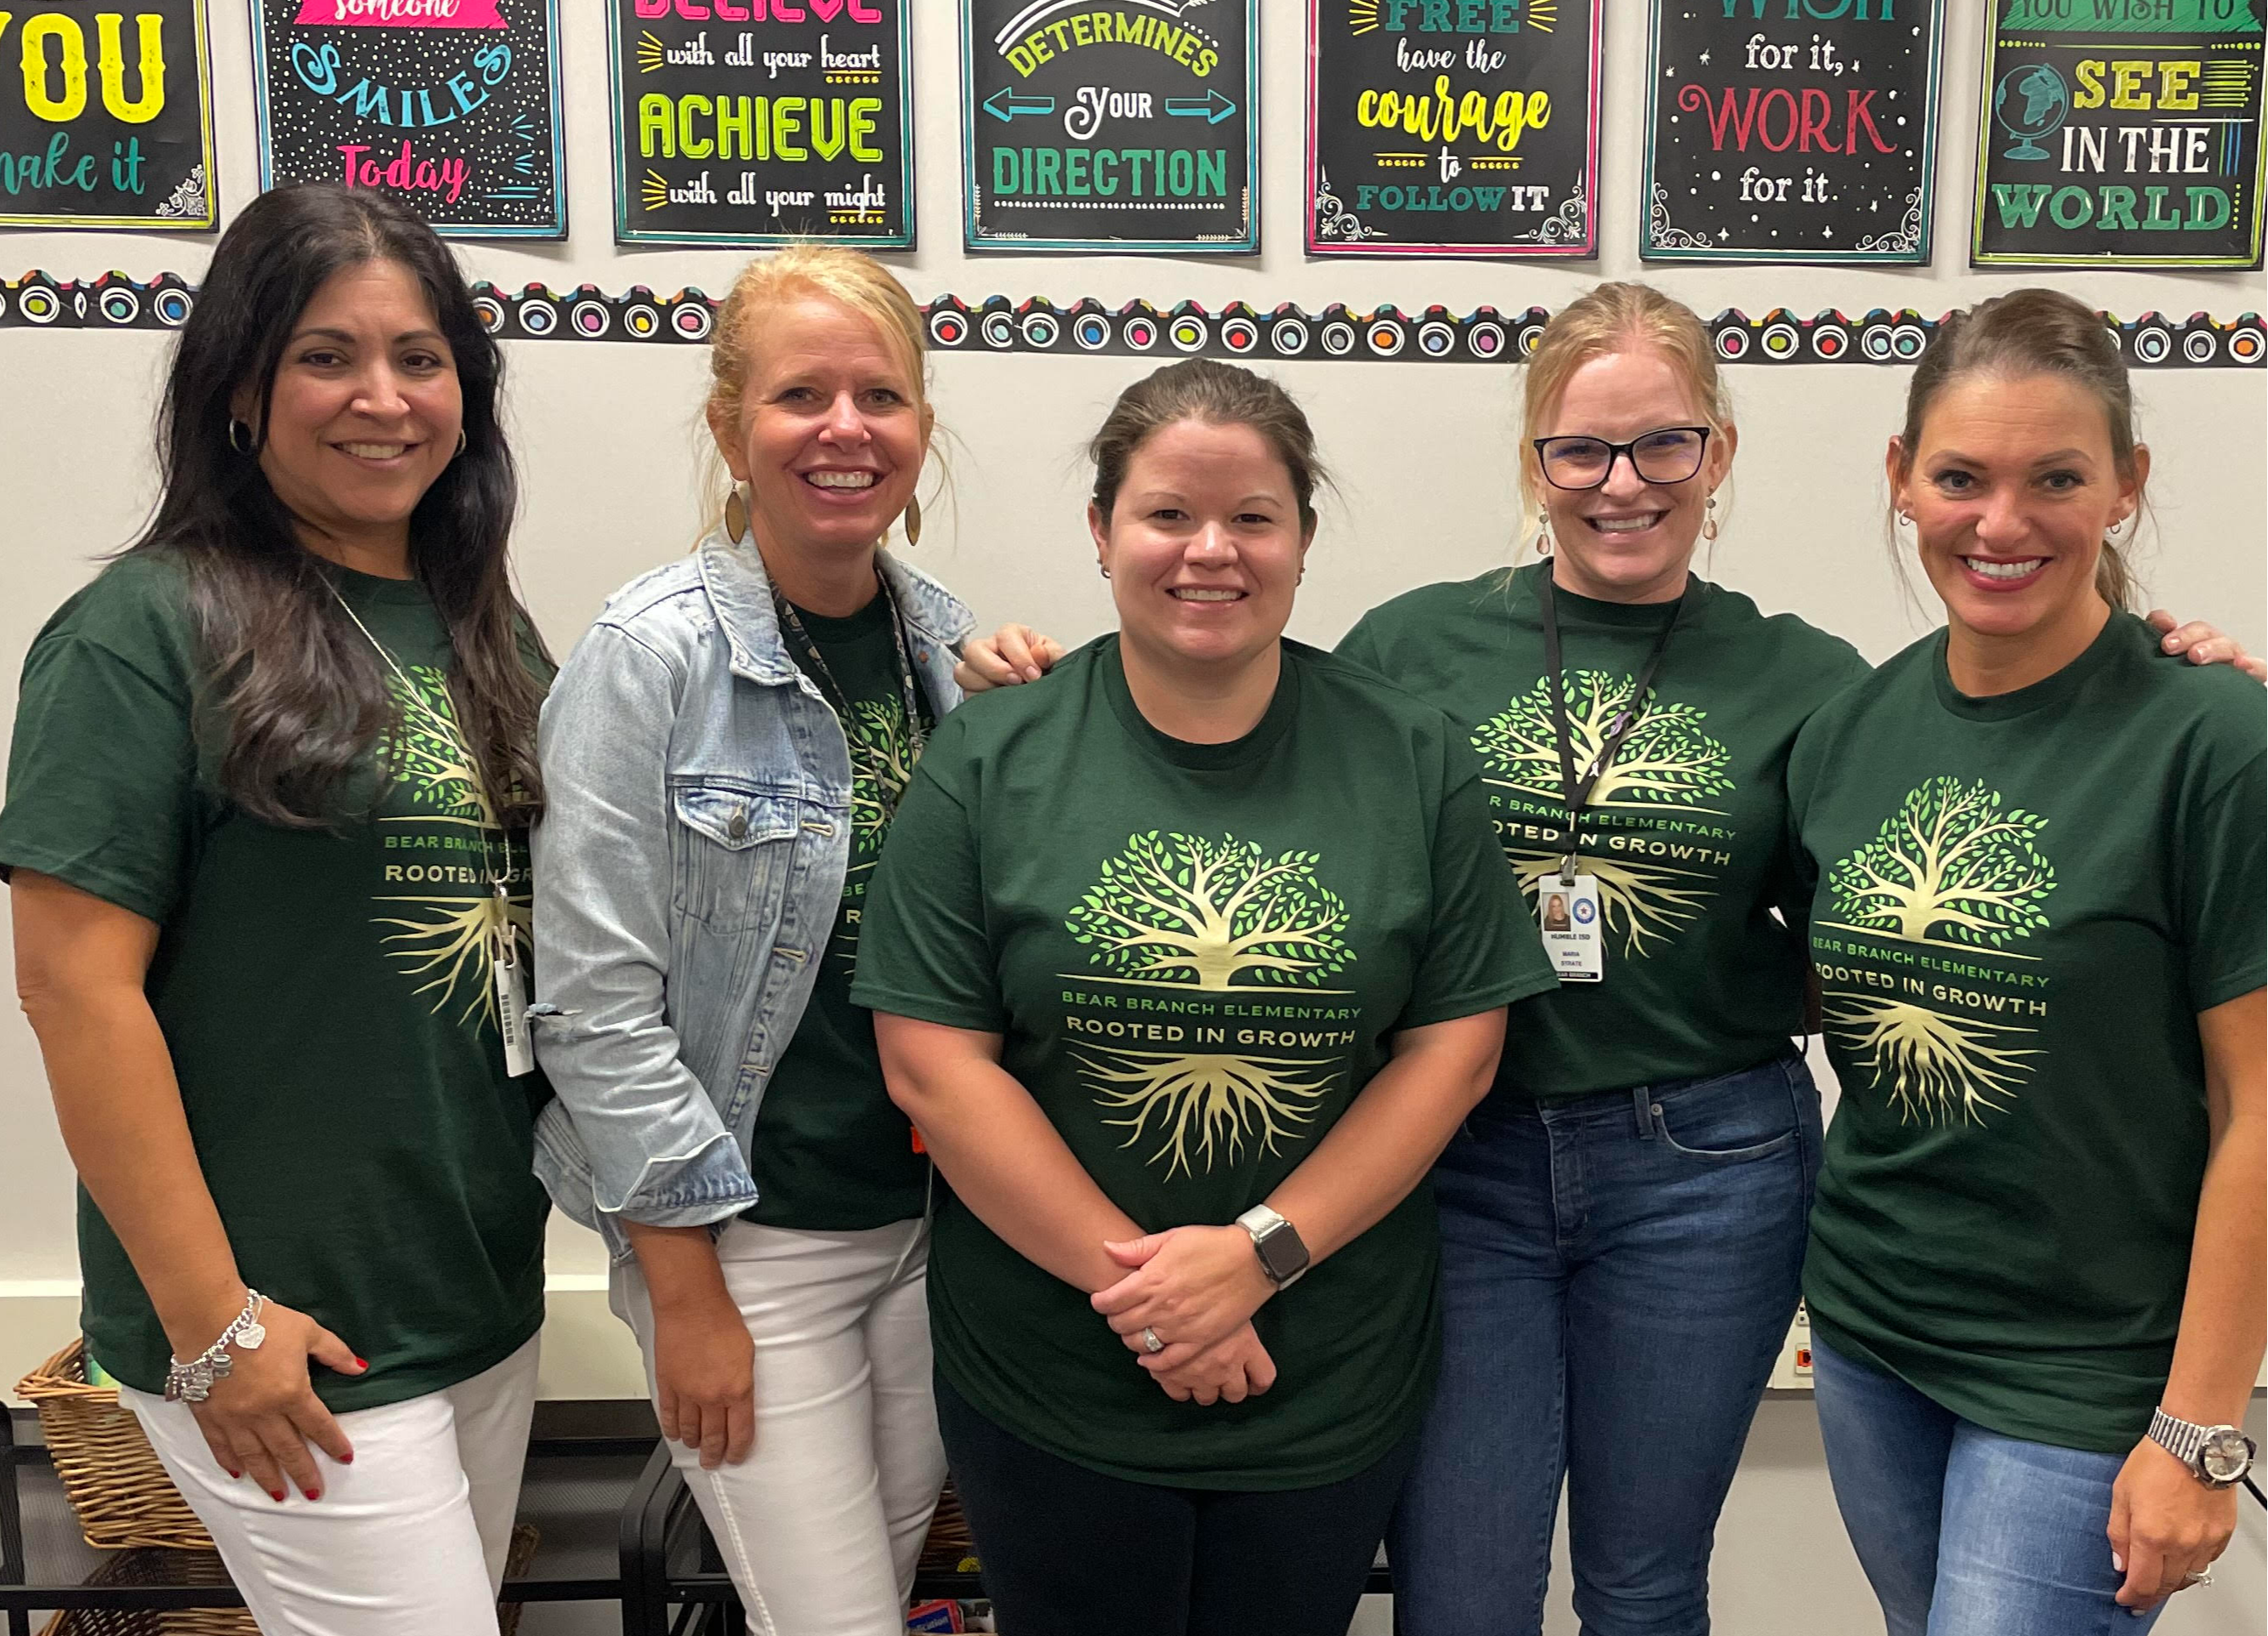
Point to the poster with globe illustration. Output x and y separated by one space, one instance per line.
2120 133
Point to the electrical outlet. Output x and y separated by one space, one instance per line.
1792 1371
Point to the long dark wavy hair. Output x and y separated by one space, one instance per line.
295 698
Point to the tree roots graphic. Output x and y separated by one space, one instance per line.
1647 904
452 939
1935 1065
1212 1102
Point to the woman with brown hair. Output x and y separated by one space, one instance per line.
2036 849
1185 962
726 751
266 827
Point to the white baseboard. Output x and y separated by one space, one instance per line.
587 1351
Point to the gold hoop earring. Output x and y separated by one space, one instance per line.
1709 521
736 516
244 445
912 520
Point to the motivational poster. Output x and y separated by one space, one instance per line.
105 115
1111 125
751 123
1791 130
2120 133
451 106
1452 127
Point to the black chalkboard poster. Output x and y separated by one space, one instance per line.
1791 130
762 124
452 106
1466 128
2120 133
106 117
1111 125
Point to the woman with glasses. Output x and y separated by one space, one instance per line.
1623 1218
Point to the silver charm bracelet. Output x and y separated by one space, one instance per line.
193 1382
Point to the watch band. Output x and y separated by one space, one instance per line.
2185 1441
1283 1253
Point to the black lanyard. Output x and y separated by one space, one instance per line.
909 695
1579 794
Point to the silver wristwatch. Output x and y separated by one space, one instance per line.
1283 1254
2219 1456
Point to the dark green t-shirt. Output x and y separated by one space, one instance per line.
1686 833
1197 956
328 995
831 1151
2023 902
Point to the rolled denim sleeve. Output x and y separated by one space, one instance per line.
658 1150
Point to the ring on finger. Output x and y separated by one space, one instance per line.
2202 1576
1151 1343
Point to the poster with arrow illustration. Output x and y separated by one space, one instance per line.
451 106
764 132
1469 128
1111 125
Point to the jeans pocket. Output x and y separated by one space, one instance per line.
1738 1116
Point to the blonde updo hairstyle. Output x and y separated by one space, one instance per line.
2027 334
1620 317
851 278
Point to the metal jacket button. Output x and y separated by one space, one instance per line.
738 829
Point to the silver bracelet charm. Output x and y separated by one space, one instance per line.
193 1382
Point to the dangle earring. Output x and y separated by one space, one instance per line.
463 442
1543 532
912 520
242 444
736 516
1709 521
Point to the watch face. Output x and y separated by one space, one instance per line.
2226 1455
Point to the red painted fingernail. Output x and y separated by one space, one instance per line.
237 1475
347 1458
311 1494
361 1364
275 1494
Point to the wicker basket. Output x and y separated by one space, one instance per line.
154 1567
109 1473
950 1548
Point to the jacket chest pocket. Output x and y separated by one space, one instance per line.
733 847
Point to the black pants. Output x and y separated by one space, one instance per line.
1068 1551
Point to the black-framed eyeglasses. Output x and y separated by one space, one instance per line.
1665 454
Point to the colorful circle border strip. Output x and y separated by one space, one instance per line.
1138 329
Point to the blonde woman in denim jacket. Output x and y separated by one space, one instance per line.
724 751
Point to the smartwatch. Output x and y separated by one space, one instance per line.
2219 1456
1283 1255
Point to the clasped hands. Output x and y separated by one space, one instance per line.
1196 1288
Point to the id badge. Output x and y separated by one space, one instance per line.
1568 911
512 1011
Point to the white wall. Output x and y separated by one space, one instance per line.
1424 457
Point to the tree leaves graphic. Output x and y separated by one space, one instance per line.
1667 759
1948 864
446 941
881 765
1175 907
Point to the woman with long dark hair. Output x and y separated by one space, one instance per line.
272 775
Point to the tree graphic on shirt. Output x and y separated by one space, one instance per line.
881 766
1666 760
1950 864
449 944
1188 912
1957 866
1186 908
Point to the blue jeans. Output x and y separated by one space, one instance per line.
1962 1531
1619 1274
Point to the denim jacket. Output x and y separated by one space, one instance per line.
687 873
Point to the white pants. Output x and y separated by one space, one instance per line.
821 1526
409 1538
